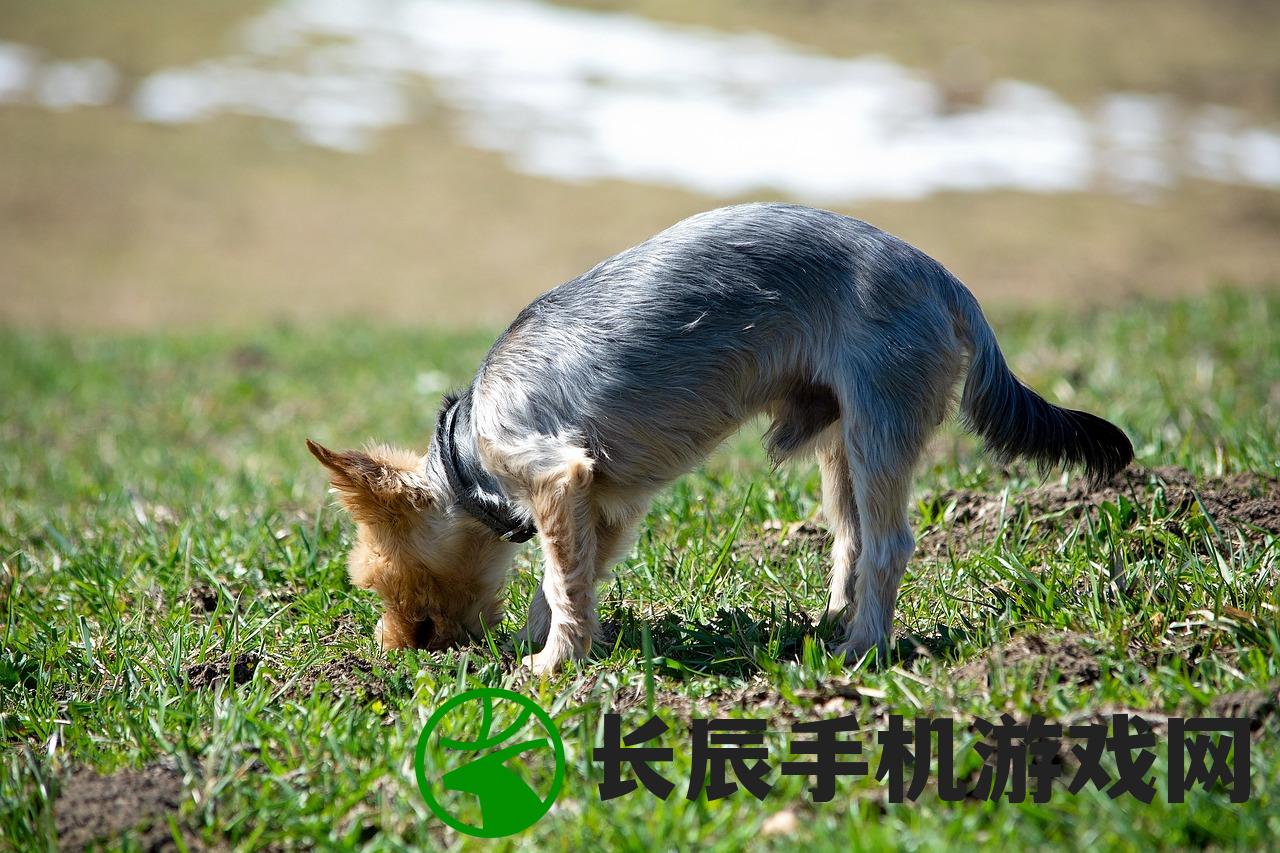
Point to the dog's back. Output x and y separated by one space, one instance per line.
653 356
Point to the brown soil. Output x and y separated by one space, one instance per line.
1257 705
1242 506
830 699
347 676
92 808
211 673
1052 659
779 541
203 599
757 697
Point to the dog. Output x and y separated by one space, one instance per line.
608 387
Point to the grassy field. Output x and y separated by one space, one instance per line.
183 663
176 616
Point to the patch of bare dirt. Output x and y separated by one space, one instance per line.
620 699
757 696
777 540
1061 657
249 358
348 676
1243 506
221 670
1256 705
347 627
830 699
93 809
203 599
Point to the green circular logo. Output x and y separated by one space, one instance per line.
497 762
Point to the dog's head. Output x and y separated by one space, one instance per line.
440 577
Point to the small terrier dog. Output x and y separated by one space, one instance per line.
610 386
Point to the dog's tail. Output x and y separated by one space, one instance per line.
1015 421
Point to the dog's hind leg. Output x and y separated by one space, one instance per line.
881 481
841 512
883 448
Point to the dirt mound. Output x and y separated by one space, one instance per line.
223 669
777 541
755 697
1256 705
92 808
347 676
202 598
1242 506
1052 659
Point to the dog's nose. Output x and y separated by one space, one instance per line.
424 635
398 634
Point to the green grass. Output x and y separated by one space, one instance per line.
134 469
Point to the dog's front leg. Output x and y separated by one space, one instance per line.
613 537
566 525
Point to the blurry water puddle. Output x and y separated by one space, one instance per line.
578 95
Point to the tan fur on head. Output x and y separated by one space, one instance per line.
439 581
378 485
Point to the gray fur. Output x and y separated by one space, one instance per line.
850 339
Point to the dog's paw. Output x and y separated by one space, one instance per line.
543 663
558 651
856 648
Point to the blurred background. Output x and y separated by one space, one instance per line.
223 163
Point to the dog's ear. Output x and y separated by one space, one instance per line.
379 484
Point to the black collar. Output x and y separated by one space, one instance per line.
495 513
